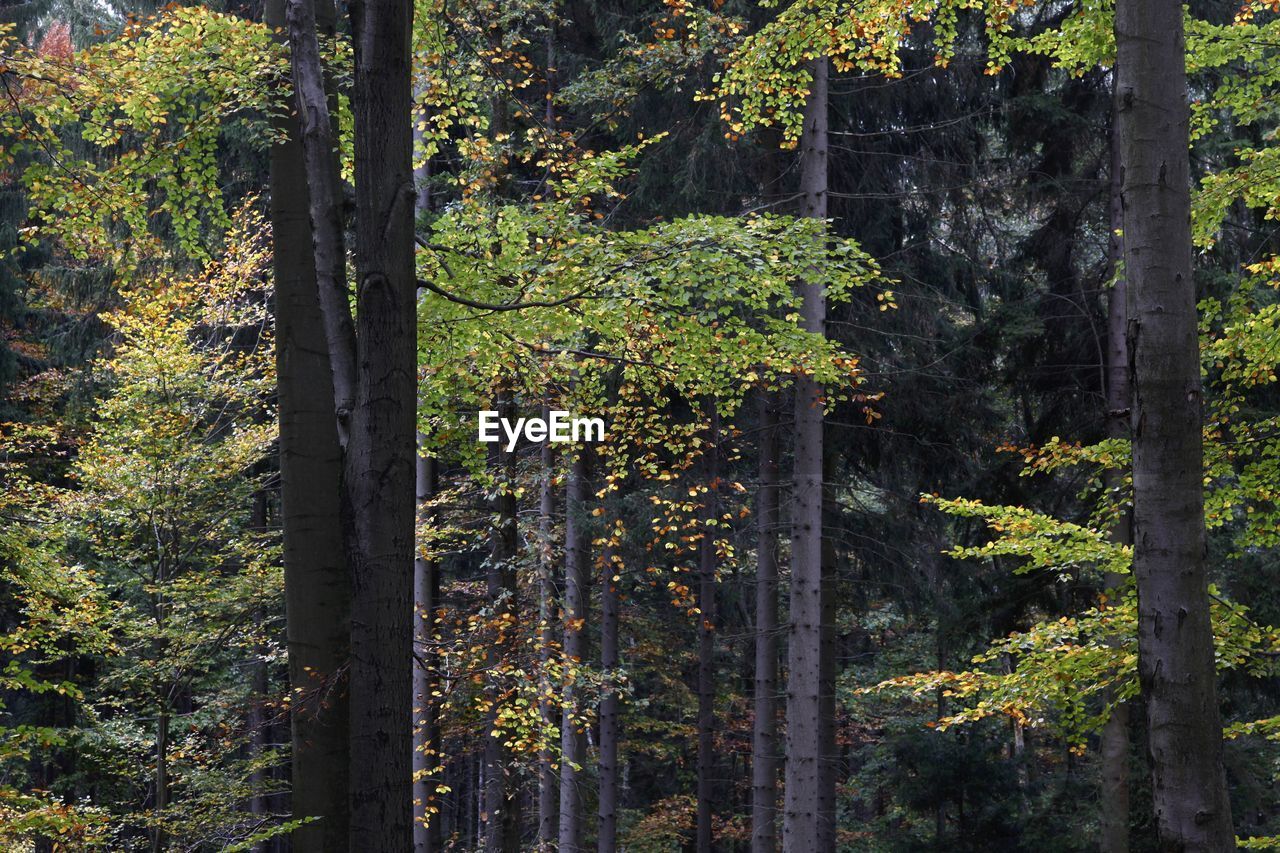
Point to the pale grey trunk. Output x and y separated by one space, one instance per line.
1114 748
313 93
381 452
502 803
764 741
707 636
573 746
806 798
317 580
1175 639
607 830
426 733
548 786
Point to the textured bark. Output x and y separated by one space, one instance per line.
1175 641
317 582
607 829
764 732
426 732
381 453
1114 748
806 782
573 747
502 802
313 93
707 638
548 785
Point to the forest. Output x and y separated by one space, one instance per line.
661 426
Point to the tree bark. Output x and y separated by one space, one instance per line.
573 746
381 452
313 93
764 731
1114 749
707 636
806 783
1175 640
502 803
607 830
548 786
317 581
427 755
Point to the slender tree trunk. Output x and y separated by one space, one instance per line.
317 581
707 636
805 793
502 804
1175 639
159 840
381 452
573 746
764 741
548 786
1114 751
610 722
319 145
427 755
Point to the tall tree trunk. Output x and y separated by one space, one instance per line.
548 786
313 93
707 635
805 793
159 840
1114 751
610 722
317 581
502 803
427 755
1175 640
381 452
573 747
764 740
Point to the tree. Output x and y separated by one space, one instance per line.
809 802
317 580
1175 641
381 450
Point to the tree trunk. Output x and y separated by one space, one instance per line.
502 804
1114 750
764 741
806 782
312 91
1175 640
573 746
381 452
427 755
707 636
607 831
548 788
317 582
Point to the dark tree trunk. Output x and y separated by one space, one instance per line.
607 831
573 747
1175 639
317 582
806 782
764 741
427 755
502 803
381 452
1114 750
548 786
313 93
707 636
